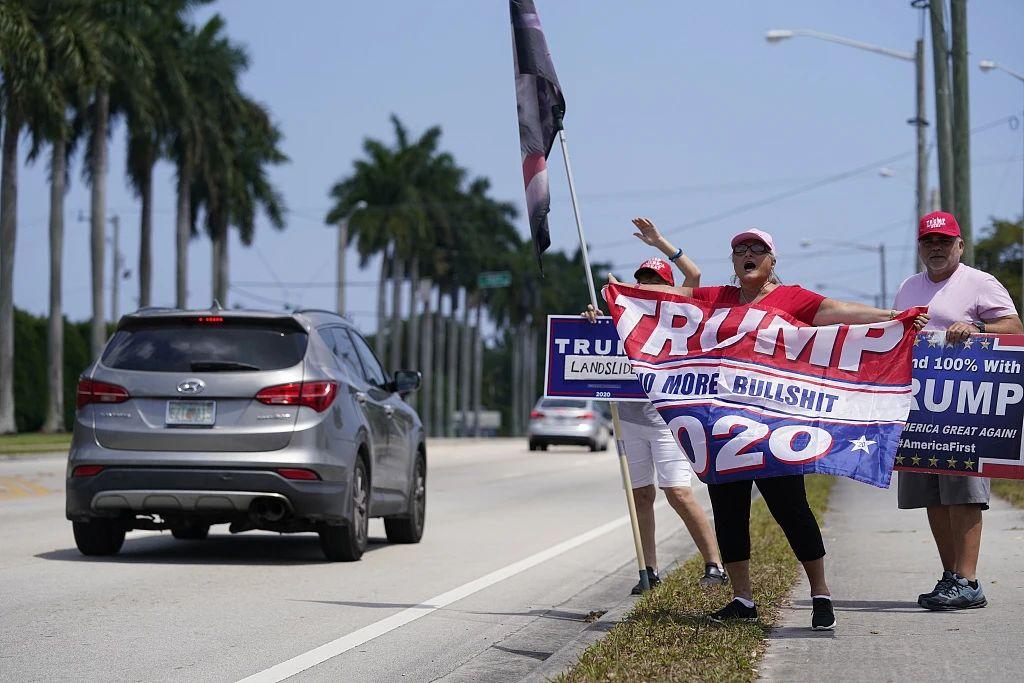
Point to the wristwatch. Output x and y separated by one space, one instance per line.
980 325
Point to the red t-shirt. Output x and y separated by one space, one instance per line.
800 303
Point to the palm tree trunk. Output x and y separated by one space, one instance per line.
146 239
426 360
438 378
478 368
453 359
515 343
182 232
412 352
219 262
465 364
397 275
8 233
54 421
382 283
98 218
531 370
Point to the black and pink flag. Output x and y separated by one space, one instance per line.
541 105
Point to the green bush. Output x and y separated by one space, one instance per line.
30 386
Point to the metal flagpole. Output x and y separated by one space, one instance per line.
619 446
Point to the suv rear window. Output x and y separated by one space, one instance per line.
202 345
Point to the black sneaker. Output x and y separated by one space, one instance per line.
958 594
734 611
713 576
823 618
947 579
652 581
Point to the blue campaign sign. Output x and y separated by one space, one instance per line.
968 410
586 360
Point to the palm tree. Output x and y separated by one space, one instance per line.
149 119
231 188
210 64
22 67
73 61
128 66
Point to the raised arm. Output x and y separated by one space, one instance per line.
836 312
649 234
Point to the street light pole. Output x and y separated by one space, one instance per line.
882 289
919 121
987 65
342 245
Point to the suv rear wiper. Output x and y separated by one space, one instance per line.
218 365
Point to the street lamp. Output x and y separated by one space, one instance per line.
880 249
342 244
987 65
919 121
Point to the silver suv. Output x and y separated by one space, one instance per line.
282 422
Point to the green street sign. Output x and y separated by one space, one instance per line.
494 280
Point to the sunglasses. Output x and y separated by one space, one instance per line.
755 248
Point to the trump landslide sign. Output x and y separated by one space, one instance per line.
751 392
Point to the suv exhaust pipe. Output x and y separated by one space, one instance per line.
267 510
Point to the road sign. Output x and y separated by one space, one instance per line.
494 280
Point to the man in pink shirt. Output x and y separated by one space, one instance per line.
962 301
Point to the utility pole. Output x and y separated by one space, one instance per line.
342 246
881 257
922 141
943 118
115 275
961 128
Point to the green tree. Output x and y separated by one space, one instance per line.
1000 252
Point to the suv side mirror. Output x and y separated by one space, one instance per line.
406 381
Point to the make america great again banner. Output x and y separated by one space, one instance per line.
751 392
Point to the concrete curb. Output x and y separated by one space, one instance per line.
566 656
37 455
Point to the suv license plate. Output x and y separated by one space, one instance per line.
191 413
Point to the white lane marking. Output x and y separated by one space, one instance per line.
321 654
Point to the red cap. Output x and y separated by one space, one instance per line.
660 267
938 223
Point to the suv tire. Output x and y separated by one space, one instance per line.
409 528
191 531
347 542
99 536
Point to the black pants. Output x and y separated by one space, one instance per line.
787 501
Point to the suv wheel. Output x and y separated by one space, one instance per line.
347 542
191 531
409 528
99 536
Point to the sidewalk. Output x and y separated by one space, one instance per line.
880 558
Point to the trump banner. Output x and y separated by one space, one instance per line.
967 411
751 392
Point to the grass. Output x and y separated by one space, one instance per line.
1012 490
666 636
34 443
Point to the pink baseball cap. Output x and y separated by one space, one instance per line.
938 223
660 267
754 234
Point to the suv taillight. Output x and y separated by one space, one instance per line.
316 395
91 391
536 414
587 415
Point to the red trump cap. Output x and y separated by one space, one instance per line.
938 223
660 267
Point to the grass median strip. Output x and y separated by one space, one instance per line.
1011 490
34 443
667 637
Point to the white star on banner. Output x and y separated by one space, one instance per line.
862 444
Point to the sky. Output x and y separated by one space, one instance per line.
680 111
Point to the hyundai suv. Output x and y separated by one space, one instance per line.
281 422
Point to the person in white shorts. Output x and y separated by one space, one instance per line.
652 453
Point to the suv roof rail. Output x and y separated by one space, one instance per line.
152 309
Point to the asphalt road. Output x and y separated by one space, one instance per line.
519 549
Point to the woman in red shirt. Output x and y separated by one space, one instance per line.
753 260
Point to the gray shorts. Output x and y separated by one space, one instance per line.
919 490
